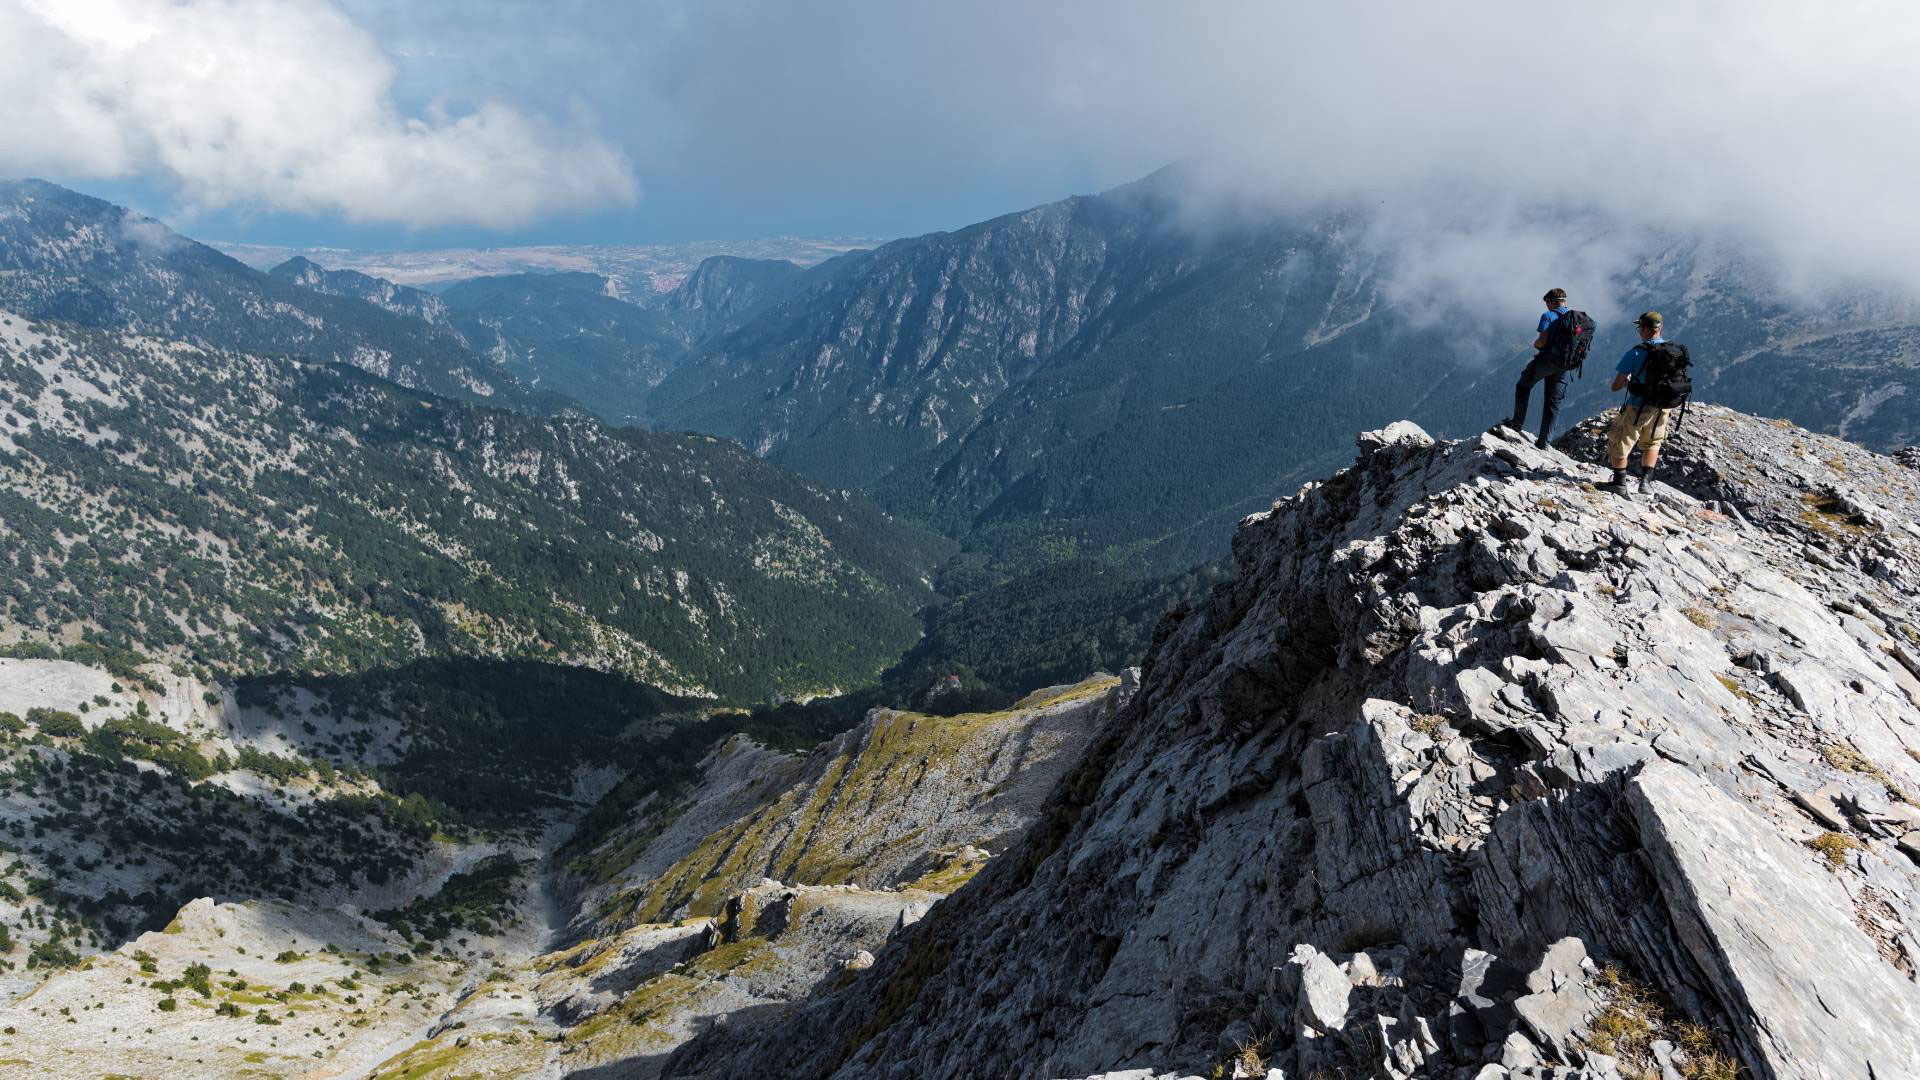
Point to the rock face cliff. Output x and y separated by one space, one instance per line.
726 291
1472 771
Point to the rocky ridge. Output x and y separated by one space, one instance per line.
902 800
1472 771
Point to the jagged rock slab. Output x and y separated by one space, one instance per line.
1775 934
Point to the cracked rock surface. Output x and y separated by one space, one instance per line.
1471 771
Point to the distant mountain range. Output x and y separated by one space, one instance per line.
569 331
1096 376
563 332
74 258
639 271
399 299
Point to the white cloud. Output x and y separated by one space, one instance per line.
1504 143
275 104
1778 123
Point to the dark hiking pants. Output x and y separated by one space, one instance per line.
1552 394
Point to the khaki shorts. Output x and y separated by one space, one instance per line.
1636 427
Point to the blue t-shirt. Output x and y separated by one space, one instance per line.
1632 361
1547 317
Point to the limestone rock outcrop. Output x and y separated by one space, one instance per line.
1472 770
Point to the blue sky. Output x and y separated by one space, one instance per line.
423 123
757 120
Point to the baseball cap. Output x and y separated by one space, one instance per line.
1650 318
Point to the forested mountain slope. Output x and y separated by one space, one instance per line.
565 332
902 347
246 514
726 291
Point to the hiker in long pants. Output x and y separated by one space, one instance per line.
1560 347
1642 423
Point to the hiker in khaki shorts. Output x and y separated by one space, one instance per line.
1637 425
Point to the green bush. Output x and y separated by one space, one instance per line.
196 978
58 723
52 953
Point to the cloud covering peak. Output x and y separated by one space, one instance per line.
1782 123
282 105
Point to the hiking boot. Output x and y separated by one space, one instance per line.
1641 484
1617 485
1541 443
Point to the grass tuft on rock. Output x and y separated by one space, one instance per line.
1636 1016
1836 846
1250 1058
1625 1027
1847 759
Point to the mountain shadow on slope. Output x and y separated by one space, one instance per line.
488 743
995 644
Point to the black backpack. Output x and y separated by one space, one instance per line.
1664 382
1568 338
